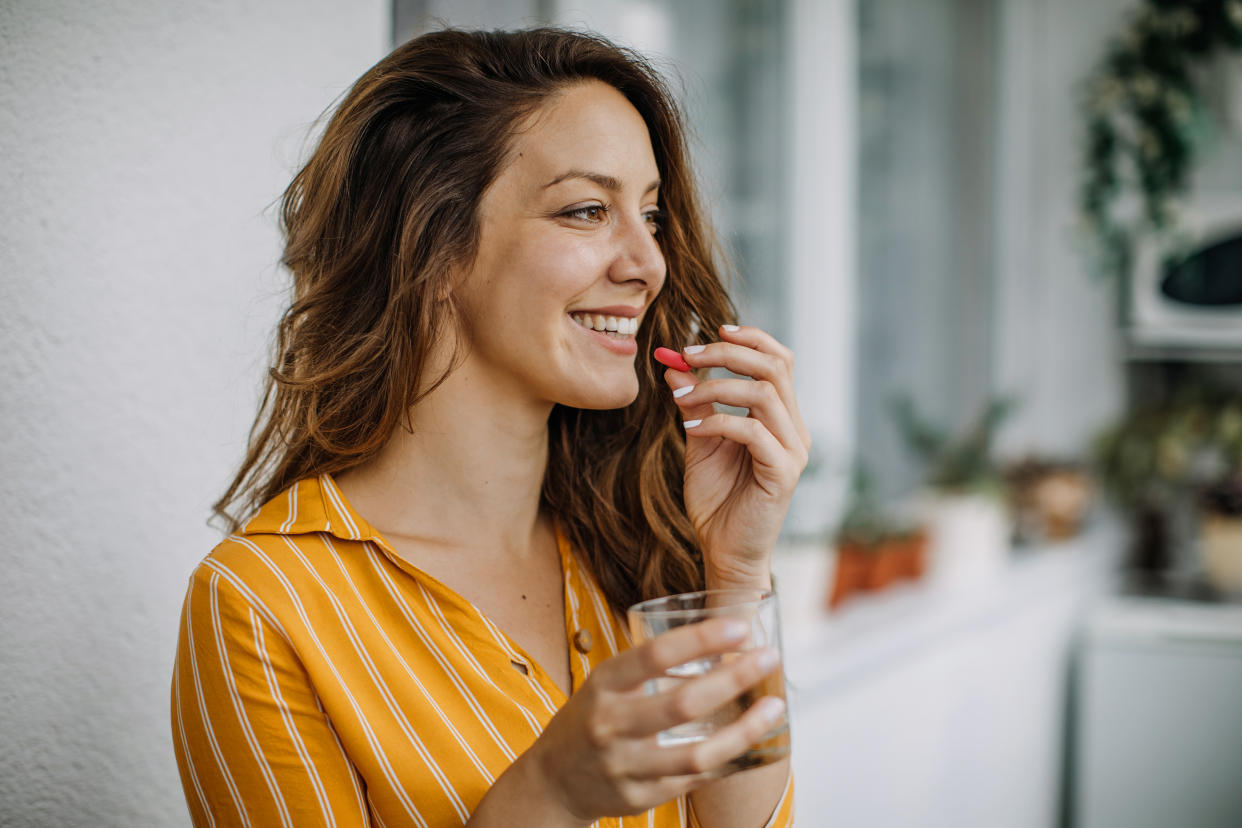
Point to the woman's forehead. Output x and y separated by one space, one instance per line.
587 128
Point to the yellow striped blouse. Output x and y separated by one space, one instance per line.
322 680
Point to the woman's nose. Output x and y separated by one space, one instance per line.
638 256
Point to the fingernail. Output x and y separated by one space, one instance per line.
771 708
691 423
693 349
731 328
683 391
735 630
768 659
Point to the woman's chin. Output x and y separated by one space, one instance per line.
605 398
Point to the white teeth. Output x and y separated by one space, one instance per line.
614 325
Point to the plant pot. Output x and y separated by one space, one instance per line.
1220 540
969 538
853 566
1049 501
872 567
886 566
912 555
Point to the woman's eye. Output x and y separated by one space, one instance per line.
598 213
591 213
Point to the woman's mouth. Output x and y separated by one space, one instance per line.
616 327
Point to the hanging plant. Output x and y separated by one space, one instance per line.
1145 119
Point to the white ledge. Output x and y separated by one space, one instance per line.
827 651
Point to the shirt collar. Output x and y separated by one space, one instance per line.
314 504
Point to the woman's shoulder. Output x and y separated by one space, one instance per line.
286 544
249 569
247 555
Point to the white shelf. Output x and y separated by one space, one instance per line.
1145 621
870 633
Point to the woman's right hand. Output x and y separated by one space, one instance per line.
599 753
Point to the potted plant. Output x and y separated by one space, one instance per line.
1049 499
1153 461
1146 118
1220 534
874 547
964 507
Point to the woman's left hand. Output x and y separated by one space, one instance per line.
740 470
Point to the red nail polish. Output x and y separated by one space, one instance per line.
669 357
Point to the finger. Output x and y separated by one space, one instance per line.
711 754
697 697
739 359
765 343
682 384
754 353
775 470
679 379
653 658
760 397
760 340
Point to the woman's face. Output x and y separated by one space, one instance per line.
567 263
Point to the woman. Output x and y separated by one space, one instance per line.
466 468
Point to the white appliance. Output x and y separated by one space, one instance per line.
1155 320
1158 716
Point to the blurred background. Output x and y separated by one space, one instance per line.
1004 238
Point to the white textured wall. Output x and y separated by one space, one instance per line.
140 143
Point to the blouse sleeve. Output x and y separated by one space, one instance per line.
253 744
782 814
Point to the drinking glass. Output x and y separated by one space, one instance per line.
759 609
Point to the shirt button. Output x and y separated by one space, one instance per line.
583 642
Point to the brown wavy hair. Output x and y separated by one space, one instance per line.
374 224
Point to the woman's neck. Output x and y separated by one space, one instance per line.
467 475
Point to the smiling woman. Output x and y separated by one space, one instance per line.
464 471
566 235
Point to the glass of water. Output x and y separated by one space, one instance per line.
759 609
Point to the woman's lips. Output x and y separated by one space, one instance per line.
615 340
618 325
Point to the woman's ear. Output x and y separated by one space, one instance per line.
444 291
453 277
447 283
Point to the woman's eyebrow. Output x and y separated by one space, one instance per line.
608 182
